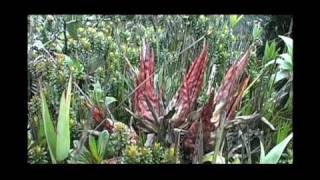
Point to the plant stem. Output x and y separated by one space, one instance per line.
219 136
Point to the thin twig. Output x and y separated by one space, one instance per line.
131 113
84 94
242 120
81 142
195 42
52 59
109 112
89 131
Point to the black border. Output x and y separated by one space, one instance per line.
18 81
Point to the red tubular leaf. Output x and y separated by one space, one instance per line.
230 80
191 88
208 127
223 101
229 85
147 67
237 101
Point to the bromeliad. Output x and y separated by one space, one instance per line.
148 106
223 105
99 116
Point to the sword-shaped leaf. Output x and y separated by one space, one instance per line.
63 129
49 130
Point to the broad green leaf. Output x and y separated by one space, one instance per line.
63 129
286 57
286 64
278 61
102 142
60 129
48 127
93 147
279 76
109 100
262 153
275 153
208 157
272 62
289 43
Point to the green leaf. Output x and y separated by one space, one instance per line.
84 156
262 153
208 157
109 100
93 147
272 62
279 76
278 61
270 51
63 129
68 61
158 46
234 20
72 29
286 64
257 31
48 127
253 82
283 131
168 84
274 155
289 43
102 143
160 76
98 92
42 135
